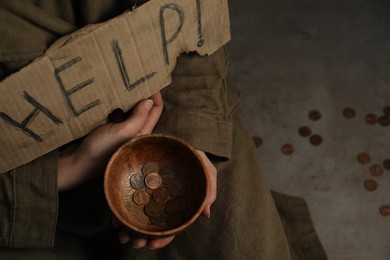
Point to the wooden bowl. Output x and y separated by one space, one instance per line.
156 185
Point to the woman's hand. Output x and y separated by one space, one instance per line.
78 165
140 242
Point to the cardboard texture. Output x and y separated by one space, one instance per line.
70 90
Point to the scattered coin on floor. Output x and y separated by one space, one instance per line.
364 158
150 167
370 184
314 115
349 112
141 197
371 119
258 141
386 111
384 210
376 170
386 164
287 149
384 120
304 131
137 181
316 140
153 180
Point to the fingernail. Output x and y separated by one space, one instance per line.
123 240
123 237
135 244
148 104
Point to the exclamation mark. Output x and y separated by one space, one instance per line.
199 16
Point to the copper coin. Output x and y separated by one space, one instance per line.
384 120
159 220
384 210
258 141
304 131
364 158
287 149
174 220
314 115
153 180
153 209
149 190
141 197
371 119
349 112
161 194
137 181
370 185
386 110
176 188
376 170
167 175
150 167
386 164
174 206
316 140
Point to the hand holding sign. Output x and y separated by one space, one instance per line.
68 91
89 159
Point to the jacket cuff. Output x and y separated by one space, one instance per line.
201 131
29 197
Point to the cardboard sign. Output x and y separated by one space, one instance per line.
71 89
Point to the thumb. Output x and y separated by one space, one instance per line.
135 122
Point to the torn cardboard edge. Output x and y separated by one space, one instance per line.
71 89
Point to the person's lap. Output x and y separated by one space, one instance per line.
243 222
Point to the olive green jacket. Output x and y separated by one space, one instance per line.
244 223
28 194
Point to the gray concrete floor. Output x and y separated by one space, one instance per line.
289 57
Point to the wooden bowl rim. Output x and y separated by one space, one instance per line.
172 231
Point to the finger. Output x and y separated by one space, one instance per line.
211 195
135 122
154 114
139 242
159 243
212 186
124 236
